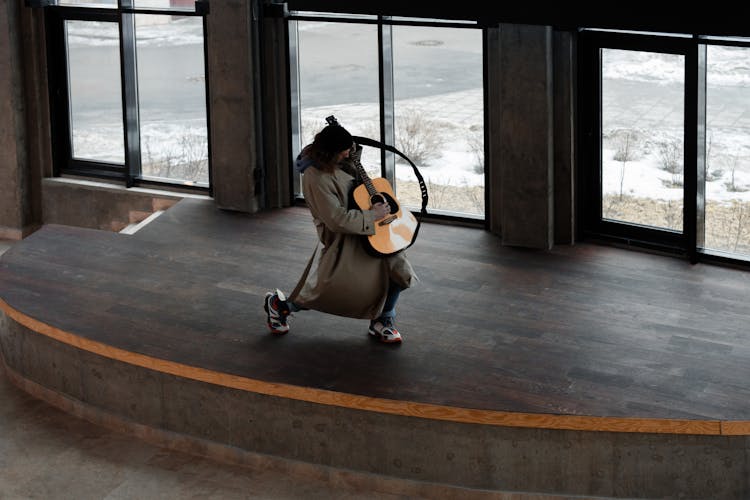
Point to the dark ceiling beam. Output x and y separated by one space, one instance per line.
703 19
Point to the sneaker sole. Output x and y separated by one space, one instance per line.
277 332
382 339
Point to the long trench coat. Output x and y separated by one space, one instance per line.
341 277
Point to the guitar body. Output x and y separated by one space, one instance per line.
395 231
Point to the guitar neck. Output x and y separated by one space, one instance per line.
365 178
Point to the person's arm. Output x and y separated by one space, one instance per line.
321 196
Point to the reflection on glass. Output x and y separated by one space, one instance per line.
89 3
95 91
439 116
727 224
338 66
642 138
185 5
172 98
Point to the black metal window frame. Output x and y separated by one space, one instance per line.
689 242
386 89
123 16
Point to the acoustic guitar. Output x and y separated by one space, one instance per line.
397 230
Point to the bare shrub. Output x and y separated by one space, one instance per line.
712 174
727 226
418 136
308 128
626 144
437 193
672 213
731 185
475 140
670 159
187 159
194 157
740 216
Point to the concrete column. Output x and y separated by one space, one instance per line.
234 107
525 148
16 218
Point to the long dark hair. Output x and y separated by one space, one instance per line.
328 143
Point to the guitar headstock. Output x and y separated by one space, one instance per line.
355 153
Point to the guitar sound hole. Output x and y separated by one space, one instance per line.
385 197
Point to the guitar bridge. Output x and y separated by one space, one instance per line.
387 220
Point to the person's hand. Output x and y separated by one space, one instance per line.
381 210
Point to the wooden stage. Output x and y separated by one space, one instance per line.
585 338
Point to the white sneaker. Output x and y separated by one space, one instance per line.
384 330
277 312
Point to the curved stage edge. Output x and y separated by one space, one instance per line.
380 405
227 416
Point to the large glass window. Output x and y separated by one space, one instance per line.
172 98
338 75
727 171
671 167
95 93
439 118
129 96
642 96
425 83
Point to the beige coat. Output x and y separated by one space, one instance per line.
341 277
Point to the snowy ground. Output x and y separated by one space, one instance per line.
644 93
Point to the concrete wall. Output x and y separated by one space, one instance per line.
531 135
526 143
231 75
200 418
98 205
16 210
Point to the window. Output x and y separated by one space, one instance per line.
642 128
416 87
128 91
668 142
727 151
439 115
94 92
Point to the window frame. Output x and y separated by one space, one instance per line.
690 242
590 131
386 94
123 15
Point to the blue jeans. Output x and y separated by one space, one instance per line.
389 307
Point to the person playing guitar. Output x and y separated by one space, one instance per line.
341 276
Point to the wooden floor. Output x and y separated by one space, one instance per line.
582 331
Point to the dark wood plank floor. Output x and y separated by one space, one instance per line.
584 330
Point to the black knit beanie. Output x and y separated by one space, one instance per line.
334 139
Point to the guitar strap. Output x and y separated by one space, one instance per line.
377 144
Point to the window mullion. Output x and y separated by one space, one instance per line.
700 200
130 94
295 104
692 171
387 99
